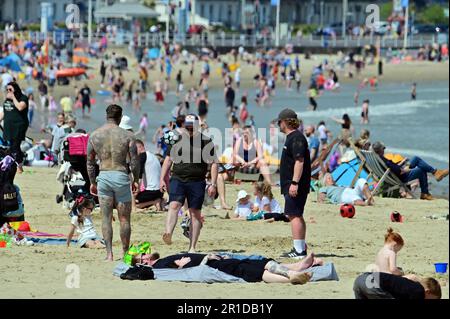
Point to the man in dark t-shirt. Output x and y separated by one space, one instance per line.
189 158
417 169
295 178
380 285
85 95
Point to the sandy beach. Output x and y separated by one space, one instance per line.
351 244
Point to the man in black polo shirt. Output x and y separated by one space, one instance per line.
295 178
190 157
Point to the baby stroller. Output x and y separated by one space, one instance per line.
73 172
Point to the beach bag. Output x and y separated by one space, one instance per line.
75 148
138 273
9 201
134 250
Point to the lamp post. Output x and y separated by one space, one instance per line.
344 17
277 32
90 22
168 21
321 14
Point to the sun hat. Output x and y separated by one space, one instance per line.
241 195
125 123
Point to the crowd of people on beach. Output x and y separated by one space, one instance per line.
121 173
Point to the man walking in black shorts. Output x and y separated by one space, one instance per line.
85 95
190 157
295 178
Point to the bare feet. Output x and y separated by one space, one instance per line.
317 262
167 238
19 169
192 251
306 263
300 278
109 257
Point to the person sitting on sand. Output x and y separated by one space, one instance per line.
244 206
266 270
386 260
248 153
360 195
267 204
150 173
379 285
82 223
417 169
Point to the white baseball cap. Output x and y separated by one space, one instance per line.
241 195
125 123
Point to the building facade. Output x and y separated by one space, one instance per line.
259 13
29 11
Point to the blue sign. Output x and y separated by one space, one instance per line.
405 3
274 2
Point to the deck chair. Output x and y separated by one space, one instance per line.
378 170
318 165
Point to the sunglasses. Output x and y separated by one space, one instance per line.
9 90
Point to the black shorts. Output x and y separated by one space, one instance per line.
148 196
313 102
295 206
194 192
86 104
249 270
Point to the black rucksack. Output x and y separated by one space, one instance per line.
138 273
9 201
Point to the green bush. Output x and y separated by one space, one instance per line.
34 27
433 14
305 28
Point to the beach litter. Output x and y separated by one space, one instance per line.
437 217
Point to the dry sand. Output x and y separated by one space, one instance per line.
40 271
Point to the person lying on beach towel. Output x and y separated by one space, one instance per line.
360 195
250 270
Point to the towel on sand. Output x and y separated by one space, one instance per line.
51 241
206 274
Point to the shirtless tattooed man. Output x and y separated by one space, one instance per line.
112 146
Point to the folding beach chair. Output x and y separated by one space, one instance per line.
318 165
379 171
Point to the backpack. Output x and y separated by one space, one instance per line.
9 201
